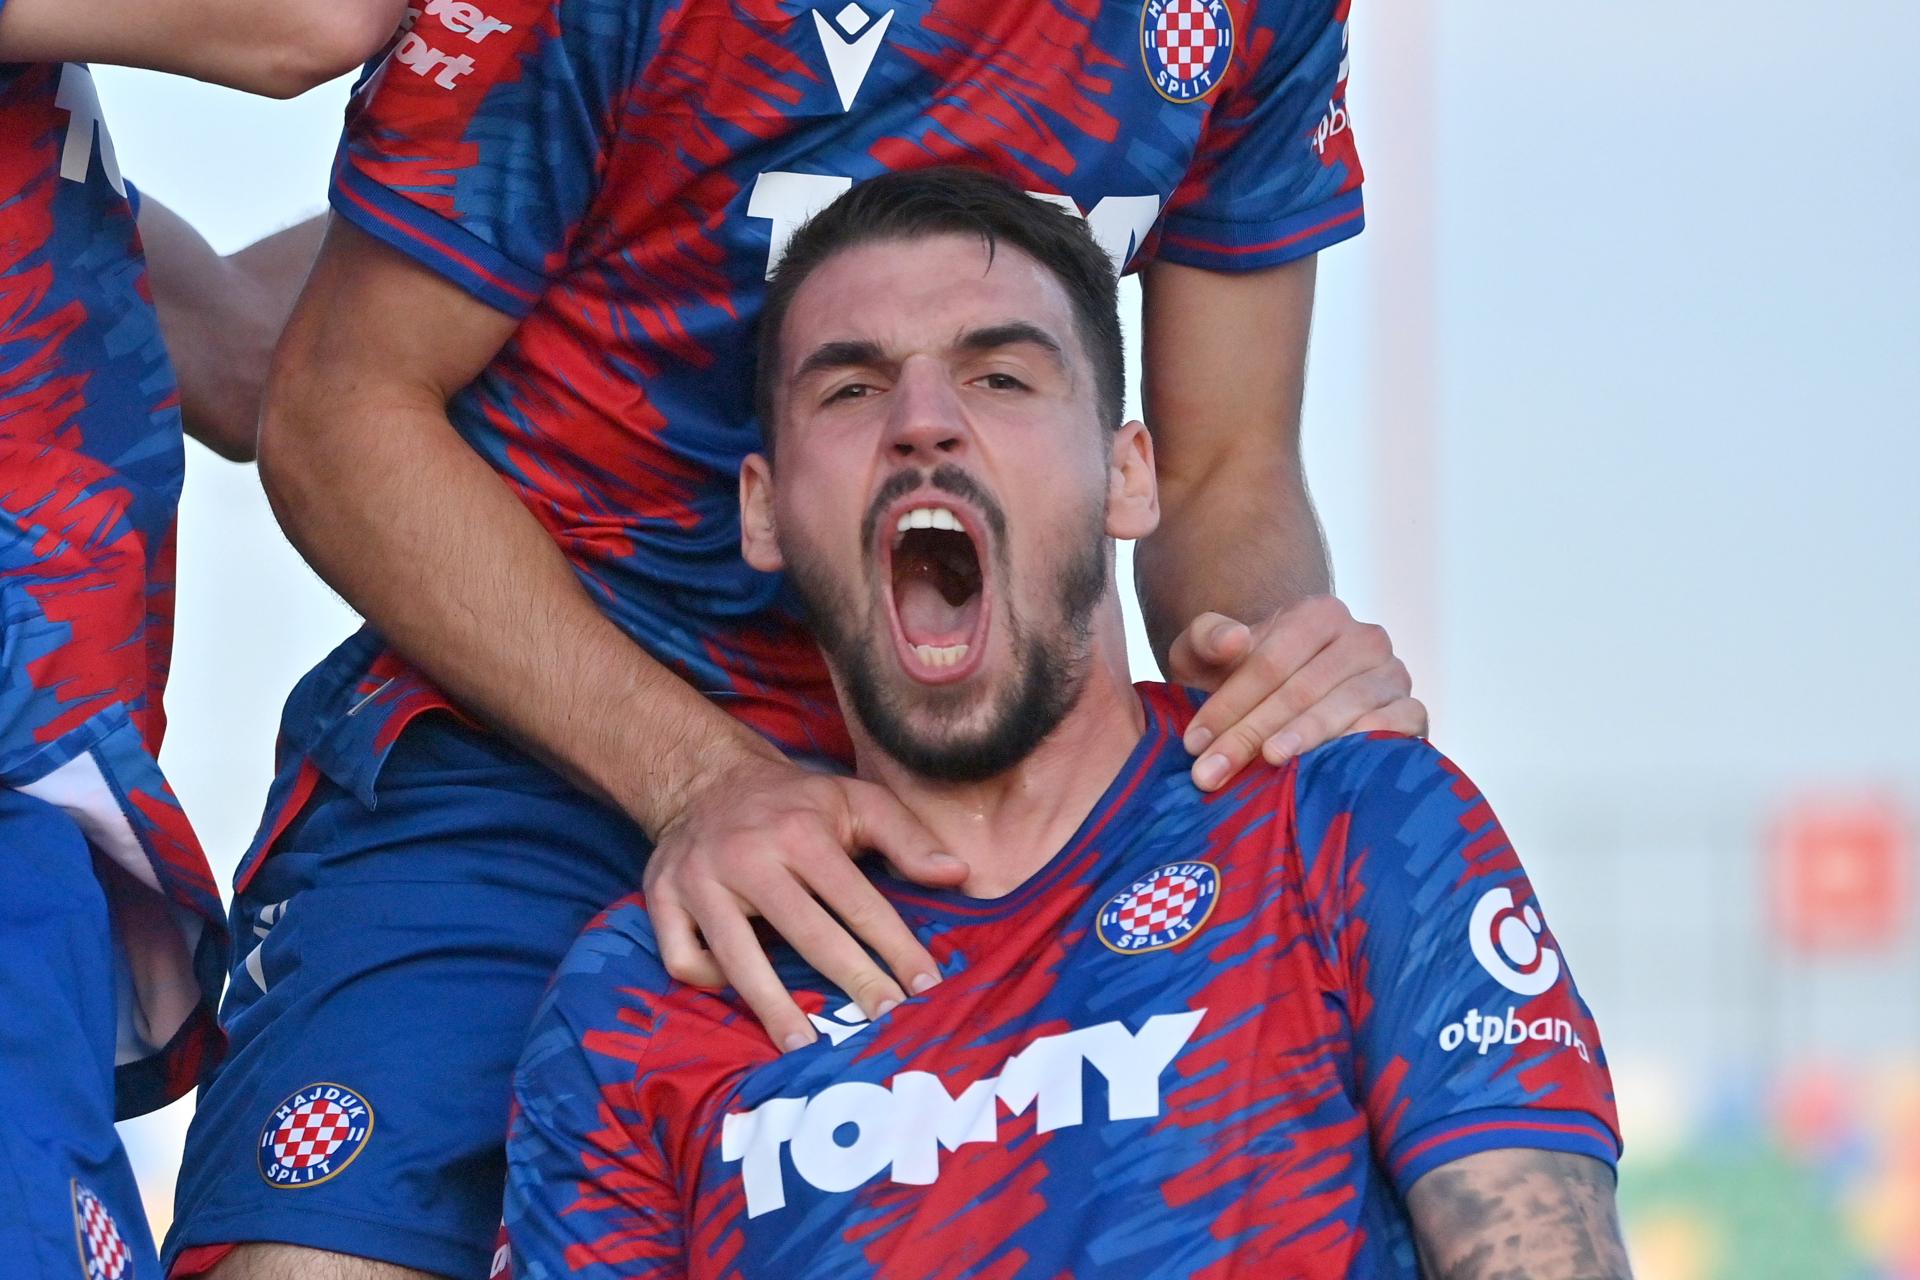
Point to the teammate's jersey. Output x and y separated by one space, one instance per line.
91 461
620 174
1216 1035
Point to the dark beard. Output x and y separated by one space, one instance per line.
1051 668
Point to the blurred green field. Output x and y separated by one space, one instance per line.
1814 1175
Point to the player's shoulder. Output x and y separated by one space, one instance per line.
614 963
620 938
1377 789
1361 762
613 1005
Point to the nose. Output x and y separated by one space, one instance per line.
927 422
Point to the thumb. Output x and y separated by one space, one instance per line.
883 824
1210 641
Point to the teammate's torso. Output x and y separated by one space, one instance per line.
82 366
89 423
621 407
91 461
1138 1064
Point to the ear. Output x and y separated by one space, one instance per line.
1133 487
759 540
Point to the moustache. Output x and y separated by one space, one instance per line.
947 478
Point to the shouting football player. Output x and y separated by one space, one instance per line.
111 930
1310 1024
506 424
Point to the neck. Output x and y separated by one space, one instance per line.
1007 827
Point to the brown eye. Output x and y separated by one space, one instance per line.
1003 382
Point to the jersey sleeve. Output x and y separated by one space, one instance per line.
589 1190
1468 1030
1276 176
475 144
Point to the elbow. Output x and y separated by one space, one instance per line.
327 41
234 442
240 444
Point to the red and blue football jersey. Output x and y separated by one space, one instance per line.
1215 1035
621 175
91 462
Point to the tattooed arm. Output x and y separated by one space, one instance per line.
1518 1215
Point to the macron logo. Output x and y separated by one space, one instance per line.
850 1132
850 38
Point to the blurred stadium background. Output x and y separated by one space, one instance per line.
1613 422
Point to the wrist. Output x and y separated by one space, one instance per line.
667 775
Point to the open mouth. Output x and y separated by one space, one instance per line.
939 591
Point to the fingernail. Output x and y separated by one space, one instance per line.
886 1007
925 982
1226 631
1197 739
942 858
1285 745
1210 772
797 1040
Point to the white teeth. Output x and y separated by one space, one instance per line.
928 518
935 655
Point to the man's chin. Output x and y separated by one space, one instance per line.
938 717
951 733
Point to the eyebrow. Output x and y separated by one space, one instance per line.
858 352
1012 333
847 353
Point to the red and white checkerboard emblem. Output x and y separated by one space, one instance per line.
1161 909
103 1254
1186 45
313 1135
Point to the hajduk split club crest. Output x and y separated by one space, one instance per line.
1187 46
313 1135
1161 909
103 1253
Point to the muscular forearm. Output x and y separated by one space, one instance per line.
1243 542
421 536
1544 1215
1237 533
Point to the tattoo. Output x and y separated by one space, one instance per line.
1519 1215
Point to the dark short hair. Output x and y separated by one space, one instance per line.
940 201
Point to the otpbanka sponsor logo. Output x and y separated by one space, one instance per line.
420 55
903 1125
1489 1029
1332 124
1506 939
1334 121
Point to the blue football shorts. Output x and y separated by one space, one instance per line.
387 962
69 1206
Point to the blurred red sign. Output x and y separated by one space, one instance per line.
1840 881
